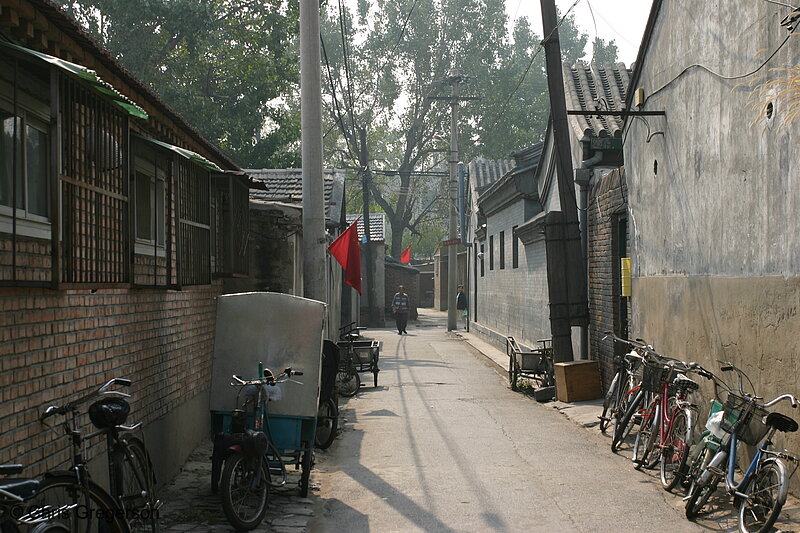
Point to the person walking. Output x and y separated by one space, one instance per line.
400 307
461 303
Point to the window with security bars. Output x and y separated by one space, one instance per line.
94 188
231 225
194 224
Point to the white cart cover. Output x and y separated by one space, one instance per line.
279 330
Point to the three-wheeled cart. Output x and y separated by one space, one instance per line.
278 331
536 365
359 352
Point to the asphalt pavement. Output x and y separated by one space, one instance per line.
443 445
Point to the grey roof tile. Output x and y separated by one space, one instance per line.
484 172
593 87
377 226
286 185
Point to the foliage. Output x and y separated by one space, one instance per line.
779 94
392 58
604 52
228 66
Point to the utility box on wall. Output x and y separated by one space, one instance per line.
577 381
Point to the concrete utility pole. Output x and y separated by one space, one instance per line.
314 241
455 79
366 176
565 268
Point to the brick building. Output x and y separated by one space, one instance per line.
117 223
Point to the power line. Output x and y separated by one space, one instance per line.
530 64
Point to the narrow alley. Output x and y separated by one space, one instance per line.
443 445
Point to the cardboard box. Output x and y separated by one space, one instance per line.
577 381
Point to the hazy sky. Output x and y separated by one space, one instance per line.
620 20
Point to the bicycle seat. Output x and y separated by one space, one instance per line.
22 488
684 382
11 469
781 422
353 336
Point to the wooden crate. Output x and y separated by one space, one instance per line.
577 381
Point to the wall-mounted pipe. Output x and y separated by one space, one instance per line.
462 178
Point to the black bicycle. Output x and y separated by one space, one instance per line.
130 505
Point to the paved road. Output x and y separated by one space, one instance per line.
442 445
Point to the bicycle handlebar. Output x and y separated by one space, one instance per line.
270 379
71 406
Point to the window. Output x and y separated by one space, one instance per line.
502 250
514 248
149 178
25 156
481 255
491 252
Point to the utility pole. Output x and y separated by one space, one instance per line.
314 241
454 80
565 268
366 177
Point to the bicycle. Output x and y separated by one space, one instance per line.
762 490
130 505
624 384
348 380
16 507
251 459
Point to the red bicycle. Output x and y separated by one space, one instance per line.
665 435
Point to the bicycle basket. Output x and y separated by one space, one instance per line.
109 412
744 417
654 376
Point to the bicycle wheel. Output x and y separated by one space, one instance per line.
646 436
327 424
699 496
348 382
766 494
513 372
628 420
244 490
138 486
610 403
676 449
78 509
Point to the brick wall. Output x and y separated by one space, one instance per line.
55 346
608 200
513 301
396 276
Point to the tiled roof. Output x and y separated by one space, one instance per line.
484 172
592 87
377 226
286 185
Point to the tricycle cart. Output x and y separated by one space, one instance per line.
358 354
277 331
536 365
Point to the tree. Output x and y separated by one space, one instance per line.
604 52
385 59
228 66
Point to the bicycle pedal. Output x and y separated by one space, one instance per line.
717 471
607 419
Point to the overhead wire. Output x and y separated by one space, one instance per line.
528 68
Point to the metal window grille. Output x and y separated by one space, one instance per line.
94 188
232 231
194 222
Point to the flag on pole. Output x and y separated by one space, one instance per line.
345 249
405 257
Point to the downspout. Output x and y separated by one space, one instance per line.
583 177
462 174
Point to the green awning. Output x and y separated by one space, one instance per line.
90 76
183 152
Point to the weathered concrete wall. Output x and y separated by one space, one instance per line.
513 301
752 322
715 195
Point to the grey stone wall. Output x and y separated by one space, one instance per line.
513 301
715 196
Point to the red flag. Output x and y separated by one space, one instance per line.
345 249
405 257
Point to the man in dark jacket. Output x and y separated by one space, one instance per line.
461 302
400 307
